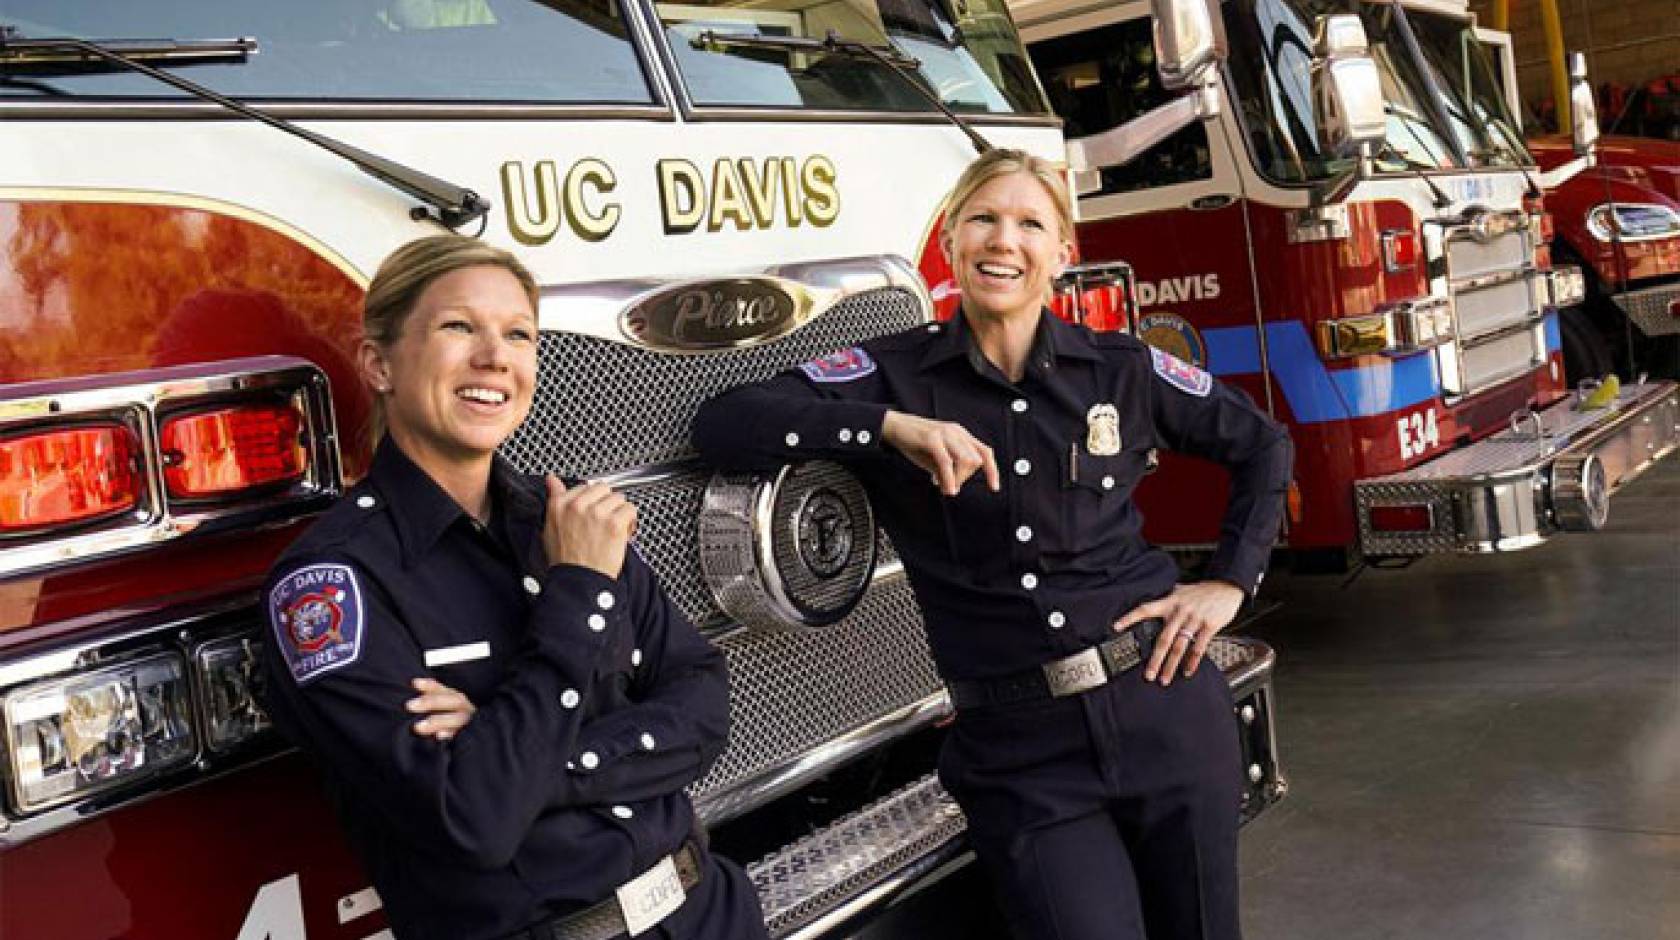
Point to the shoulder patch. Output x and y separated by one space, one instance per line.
847 365
316 613
1180 374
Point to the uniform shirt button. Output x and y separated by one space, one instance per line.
635 657
366 502
1023 534
569 699
1019 406
589 760
865 437
1108 483
605 600
623 812
845 435
1023 467
532 585
648 743
1057 619
933 327
792 439
1029 580
597 622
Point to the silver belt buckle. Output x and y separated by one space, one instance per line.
1071 675
650 897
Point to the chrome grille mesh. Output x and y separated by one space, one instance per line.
603 407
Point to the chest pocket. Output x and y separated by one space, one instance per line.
1095 490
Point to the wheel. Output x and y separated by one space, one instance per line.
1586 353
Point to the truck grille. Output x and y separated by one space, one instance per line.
1498 299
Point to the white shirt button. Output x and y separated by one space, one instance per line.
623 812
1023 467
1023 534
1108 483
532 585
605 600
589 760
1029 580
1057 620
933 327
792 439
635 657
570 766
366 502
1019 406
648 743
569 699
865 437
845 435
597 622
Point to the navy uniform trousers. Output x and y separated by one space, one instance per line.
1111 814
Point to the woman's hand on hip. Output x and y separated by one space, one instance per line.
1191 616
588 525
943 448
444 711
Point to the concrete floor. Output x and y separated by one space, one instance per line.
1482 748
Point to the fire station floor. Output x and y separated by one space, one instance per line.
1480 748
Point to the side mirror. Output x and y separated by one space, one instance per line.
1347 90
1186 45
1583 111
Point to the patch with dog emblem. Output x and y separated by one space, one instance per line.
847 365
1180 374
316 612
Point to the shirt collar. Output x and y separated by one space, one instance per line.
422 511
1053 340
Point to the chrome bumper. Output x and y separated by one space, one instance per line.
1552 473
835 879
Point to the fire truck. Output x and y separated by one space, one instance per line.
1336 212
707 192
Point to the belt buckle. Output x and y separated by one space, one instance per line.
650 897
1070 675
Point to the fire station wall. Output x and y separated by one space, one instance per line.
1627 42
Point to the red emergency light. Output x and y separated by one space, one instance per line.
1415 518
1399 249
232 449
60 476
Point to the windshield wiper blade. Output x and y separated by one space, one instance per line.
454 206
894 59
49 57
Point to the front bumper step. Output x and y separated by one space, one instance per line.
1651 308
1555 471
840 875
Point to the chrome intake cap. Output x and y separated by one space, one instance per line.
791 551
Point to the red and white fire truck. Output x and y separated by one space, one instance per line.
1342 218
708 192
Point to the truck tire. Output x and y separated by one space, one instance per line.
1586 353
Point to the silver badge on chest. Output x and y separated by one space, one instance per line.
1102 430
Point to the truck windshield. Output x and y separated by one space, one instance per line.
968 53
502 51
1271 69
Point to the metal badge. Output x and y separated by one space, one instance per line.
1102 430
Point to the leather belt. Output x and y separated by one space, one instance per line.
1081 672
605 921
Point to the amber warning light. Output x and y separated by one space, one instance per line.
66 475
232 449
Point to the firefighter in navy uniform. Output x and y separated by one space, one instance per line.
504 705
1098 766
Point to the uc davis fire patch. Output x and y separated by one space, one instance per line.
316 612
1180 374
847 365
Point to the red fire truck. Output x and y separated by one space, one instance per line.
708 192
1342 218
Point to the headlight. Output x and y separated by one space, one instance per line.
231 713
1632 221
71 737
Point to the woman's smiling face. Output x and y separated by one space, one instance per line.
1006 247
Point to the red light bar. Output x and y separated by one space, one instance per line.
227 450
66 475
1402 518
1400 249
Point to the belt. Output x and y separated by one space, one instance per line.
1083 671
605 921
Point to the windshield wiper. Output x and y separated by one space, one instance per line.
37 57
452 206
1441 199
892 58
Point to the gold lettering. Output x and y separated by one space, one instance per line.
528 228
727 201
591 226
680 196
791 192
761 190
822 197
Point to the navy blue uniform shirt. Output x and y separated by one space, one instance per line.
1011 579
597 702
